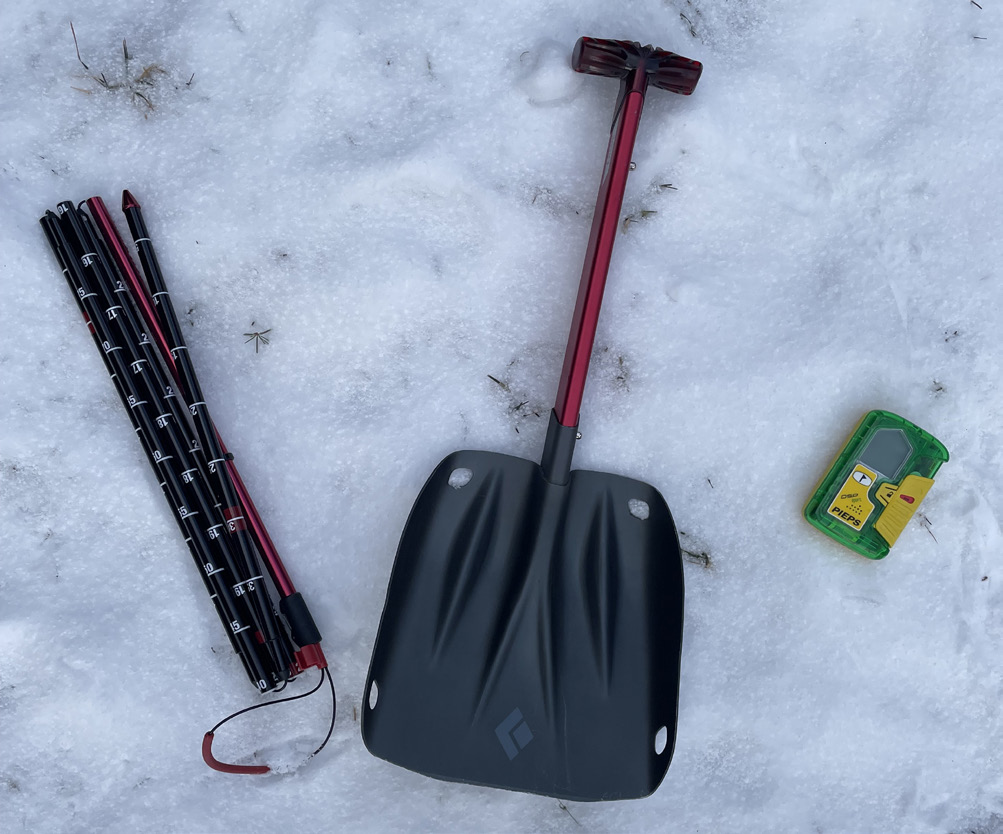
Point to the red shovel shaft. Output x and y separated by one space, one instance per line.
600 249
636 66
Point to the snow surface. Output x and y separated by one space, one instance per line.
402 193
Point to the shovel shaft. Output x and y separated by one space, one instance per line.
597 257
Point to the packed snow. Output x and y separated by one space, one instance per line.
401 194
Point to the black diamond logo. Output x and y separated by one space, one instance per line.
513 731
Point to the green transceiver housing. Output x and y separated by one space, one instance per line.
875 485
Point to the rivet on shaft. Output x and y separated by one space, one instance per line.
633 166
578 435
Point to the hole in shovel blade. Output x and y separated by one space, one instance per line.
661 739
638 508
374 695
459 478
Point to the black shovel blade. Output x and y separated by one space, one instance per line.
532 633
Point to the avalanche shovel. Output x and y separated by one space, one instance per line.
532 630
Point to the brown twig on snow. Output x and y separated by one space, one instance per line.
81 60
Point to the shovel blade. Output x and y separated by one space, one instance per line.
532 633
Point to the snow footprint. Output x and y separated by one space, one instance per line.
547 75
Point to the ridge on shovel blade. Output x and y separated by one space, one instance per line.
532 630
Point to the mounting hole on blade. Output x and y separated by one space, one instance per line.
661 740
374 695
459 478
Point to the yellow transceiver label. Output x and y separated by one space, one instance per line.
851 505
901 502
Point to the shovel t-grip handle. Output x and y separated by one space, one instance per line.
636 66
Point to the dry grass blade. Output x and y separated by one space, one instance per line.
148 73
75 44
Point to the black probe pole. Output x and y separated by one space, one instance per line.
140 402
173 501
293 610
86 264
173 423
139 376
236 523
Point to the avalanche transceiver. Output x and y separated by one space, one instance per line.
876 484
